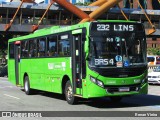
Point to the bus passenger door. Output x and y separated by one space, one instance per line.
77 63
17 60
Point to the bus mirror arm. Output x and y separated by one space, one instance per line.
83 37
88 57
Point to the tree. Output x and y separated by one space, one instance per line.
153 51
4 43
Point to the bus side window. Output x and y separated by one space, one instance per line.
52 46
41 47
11 50
32 48
24 49
63 48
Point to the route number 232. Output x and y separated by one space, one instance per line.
103 27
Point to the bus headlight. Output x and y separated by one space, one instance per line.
97 82
93 79
144 80
100 83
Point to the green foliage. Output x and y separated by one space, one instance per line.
153 51
3 52
87 3
79 4
83 4
4 43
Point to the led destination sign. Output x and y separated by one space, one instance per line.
107 27
117 27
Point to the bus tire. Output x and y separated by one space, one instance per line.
70 98
116 99
27 88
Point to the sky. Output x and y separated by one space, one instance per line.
38 1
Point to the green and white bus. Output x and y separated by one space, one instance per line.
105 58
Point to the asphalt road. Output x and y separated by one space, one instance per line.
13 98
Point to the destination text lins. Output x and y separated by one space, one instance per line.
118 27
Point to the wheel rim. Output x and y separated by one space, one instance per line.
26 86
69 93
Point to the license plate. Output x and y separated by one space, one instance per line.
124 89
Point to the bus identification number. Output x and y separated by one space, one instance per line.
107 27
103 27
104 61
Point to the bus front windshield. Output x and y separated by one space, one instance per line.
117 50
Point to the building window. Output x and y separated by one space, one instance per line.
154 38
154 45
143 3
128 3
155 4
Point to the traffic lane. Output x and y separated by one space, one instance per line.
154 89
151 101
14 93
14 98
133 103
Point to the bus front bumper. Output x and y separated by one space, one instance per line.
97 91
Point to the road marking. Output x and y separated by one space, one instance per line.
156 106
11 96
4 78
7 87
3 81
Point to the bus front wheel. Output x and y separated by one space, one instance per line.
27 88
70 98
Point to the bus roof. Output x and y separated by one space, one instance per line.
57 29
48 31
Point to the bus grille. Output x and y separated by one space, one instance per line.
124 88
